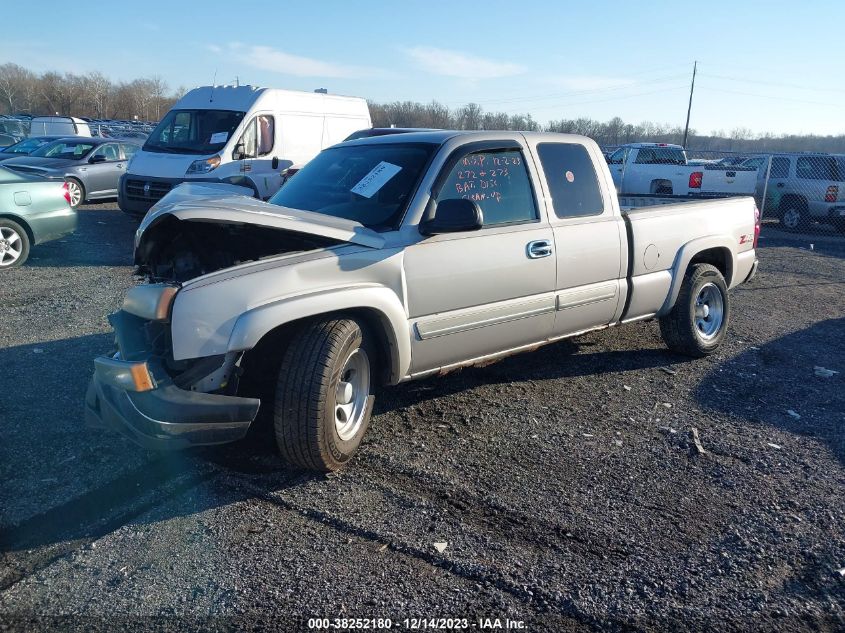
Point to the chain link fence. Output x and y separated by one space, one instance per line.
799 189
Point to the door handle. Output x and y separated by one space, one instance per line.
539 248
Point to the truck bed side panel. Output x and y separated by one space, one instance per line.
665 238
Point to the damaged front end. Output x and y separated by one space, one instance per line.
155 400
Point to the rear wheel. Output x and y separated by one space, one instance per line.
76 192
323 394
793 218
14 244
698 322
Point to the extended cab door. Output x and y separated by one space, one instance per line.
477 293
590 237
616 163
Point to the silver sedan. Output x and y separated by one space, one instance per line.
90 166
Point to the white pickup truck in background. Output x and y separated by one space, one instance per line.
663 169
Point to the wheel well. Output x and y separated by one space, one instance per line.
267 354
718 257
22 222
661 185
792 200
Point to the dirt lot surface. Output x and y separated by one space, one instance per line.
565 483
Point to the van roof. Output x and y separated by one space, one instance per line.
242 98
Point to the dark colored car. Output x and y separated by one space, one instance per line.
384 131
26 147
92 167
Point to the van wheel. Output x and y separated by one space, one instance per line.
698 322
76 192
323 394
14 244
793 218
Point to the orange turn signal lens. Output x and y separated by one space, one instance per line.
164 302
141 377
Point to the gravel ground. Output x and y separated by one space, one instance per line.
565 482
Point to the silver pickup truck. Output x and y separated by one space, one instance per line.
392 258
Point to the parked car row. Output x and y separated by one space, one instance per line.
91 167
662 169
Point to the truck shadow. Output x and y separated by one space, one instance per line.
103 237
764 384
64 483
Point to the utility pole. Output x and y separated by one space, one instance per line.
689 108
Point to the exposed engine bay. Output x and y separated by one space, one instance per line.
179 250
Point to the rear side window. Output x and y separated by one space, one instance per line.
780 167
817 168
498 182
572 179
660 156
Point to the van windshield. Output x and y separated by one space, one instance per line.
193 131
370 184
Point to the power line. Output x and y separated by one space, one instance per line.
772 83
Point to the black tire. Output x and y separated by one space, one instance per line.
307 409
13 239
686 332
76 183
793 217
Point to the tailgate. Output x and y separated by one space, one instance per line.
738 181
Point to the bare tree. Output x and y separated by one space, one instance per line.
13 85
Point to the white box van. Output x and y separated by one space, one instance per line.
240 135
58 126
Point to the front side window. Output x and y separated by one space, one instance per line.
257 138
109 151
780 167
370 184
193 131
497 181
572 179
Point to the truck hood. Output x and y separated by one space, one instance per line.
225 204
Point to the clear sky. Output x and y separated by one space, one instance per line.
767 66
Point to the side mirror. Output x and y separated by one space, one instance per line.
97 158
453 216
238 153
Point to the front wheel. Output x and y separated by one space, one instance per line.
14 244
698 322
323 394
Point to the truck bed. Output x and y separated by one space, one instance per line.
662 230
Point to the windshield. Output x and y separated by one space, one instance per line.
193 131
25 146
370 184
72 150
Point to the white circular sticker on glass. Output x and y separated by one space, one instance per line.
570 176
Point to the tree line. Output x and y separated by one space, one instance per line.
96 96
93 95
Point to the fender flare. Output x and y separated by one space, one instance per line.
251 326
685 255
